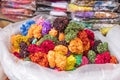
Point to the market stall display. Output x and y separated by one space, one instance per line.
60 45
95 13
58 48
56 51
18 10
55 8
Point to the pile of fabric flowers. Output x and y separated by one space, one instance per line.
62 45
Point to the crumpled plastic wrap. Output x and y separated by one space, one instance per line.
23 70
2 75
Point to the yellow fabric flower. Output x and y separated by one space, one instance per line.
16 39
70 62
61 48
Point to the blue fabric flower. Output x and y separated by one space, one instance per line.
25 27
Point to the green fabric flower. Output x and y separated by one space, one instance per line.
47 37
102 47
72 29
78 59
91 56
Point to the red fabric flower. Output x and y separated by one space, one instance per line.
82 35
46 46
103 58
90 34
16 54
99 59
33 48
107 56
92 43
85 40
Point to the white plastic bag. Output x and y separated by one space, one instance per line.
2 75
24 70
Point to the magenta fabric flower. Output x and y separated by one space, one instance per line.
33 48
103 58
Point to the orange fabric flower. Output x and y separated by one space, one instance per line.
76 46
13 49
61 37
82 34
35 31
84 38
113 60
51 58
60 61
57 60
53 32
39 58
87 46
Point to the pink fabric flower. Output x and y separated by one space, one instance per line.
84 60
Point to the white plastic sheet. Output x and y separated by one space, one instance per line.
23 70
2 75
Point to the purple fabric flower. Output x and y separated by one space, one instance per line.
46 26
